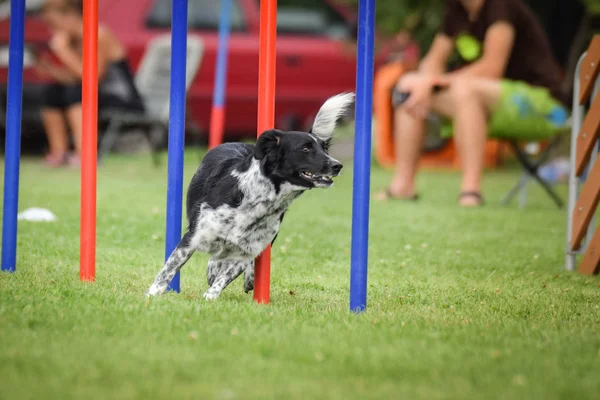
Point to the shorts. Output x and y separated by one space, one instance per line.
62 96
524 112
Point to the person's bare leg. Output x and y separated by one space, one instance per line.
56 132
408 141
472 102
468 103
409 133
470 122
75 122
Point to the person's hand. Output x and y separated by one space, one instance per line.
418 103
42 67
47 70
60 42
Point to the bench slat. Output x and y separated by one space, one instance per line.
586 206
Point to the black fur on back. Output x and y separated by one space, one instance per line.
213 182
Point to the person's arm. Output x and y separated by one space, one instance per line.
47 70
60 44
434 62
431 69
61 74
497 48
72 60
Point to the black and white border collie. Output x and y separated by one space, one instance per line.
237 198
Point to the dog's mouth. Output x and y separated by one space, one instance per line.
317 179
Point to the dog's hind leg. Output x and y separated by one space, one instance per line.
249 277
212 270
178 257
230 270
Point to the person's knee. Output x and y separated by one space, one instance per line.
409 79
402 86
52 116
462 91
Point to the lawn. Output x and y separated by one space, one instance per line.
461 303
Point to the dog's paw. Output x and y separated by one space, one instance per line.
154 290
248 286
210 295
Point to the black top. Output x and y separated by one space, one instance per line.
531 59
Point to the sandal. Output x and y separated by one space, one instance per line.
55 161
388 195
475 195
74 161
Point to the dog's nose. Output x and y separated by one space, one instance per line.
336 167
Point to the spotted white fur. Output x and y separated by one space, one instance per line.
228 232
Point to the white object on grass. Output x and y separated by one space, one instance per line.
36 215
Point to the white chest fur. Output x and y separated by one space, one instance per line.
246 230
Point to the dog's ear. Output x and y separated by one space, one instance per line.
267 142
329 114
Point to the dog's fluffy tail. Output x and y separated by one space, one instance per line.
329 114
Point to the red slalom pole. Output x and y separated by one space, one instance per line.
89 139
266 120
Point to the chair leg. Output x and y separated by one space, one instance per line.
531 168
557 200
109 138
520 185
523 192
148 130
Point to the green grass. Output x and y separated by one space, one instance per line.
461 303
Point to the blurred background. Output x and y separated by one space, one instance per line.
316 53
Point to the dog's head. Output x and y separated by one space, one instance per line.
302 158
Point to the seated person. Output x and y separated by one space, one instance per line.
507 81
62 99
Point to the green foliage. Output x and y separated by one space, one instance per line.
424 17
593 6
421 17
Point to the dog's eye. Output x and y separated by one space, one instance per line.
306 149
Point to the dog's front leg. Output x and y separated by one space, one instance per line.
249 277
178 257
212 270
230 270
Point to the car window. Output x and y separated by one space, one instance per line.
310 18
202 15
32 7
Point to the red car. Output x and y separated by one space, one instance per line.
316 54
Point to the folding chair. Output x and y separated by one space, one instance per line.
526 157
153 82
531 159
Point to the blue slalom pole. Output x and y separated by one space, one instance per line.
176 130
362 156
12 154
217 118
221 73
